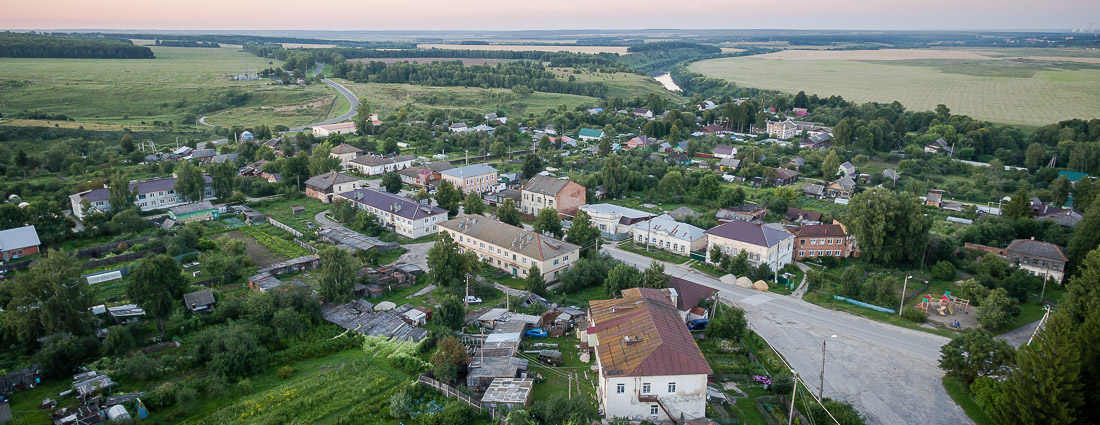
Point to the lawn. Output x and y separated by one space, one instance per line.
386 98
125 92
1033 92
655 254
961 394
280 210
827 301
557 377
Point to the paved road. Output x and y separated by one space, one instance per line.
202 120
351 97
889 373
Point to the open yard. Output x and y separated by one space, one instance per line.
280 209
122 92
386 97
1014 87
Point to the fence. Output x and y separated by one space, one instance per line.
450 391
124 257
289 229
307 246
4 268
96 251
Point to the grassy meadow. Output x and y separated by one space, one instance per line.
386 98
621 84
123 92
1025 87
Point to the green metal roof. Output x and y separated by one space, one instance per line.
590 132
1073 176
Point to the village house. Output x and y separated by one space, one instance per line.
1039 258
511 248
590 134
562 195
784 130
373 165
345 153
800 216
1062 216
707 105
148 195
642 113
847 170
729 164
724 151
743 212
424 175
713 129
667 234
642 142
458 127
764 244
197 211
843 188
18 242
784 177
199 302
478 178
325 186
823 240
614 222
339 128
649 365
406 217
934 197
813 190
816 140
938 146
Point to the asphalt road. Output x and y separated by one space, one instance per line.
889 373
351 97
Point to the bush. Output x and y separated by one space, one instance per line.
60 354
914 315
186 396
285 372
943 270
139 367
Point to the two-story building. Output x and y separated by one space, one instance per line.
824 240
373 165
614 222
478 178
790 128
345 153
762 243
406 217
325 186
665 233
149 195
1039 258
424 175
649 365
563 195
511 248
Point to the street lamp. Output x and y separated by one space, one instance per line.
821 391
904 286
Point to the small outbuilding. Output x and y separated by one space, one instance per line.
199 301
508 393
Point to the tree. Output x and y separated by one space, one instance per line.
996 309
390 147
157 285
507 212
190 184
1019 206
708 187
223 177
448 360
452 312
337 275
60 299
727 322
532 165
801 100
621 277
976 354
1033 156
120 195
1086 235
127 143
1060 191
604 148
890 227
448 197
534 282
613 176
446 266
654 276
547 221
473 204
732 197
321 162
830 166
392 182
499 150
1046 386
583 233
943 270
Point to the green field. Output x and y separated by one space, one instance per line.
623 85
385 98
1036 90
126 92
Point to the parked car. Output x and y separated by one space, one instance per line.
536 333
309 224
697 325
470 299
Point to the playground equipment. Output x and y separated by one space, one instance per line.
944 305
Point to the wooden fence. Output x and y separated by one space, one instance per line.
449 391
122 258
96 251
289 229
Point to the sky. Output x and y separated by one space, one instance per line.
547 15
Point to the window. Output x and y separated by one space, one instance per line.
653 409
645 388
556 261
671 387
801 253
620 389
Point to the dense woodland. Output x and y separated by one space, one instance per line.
187 43
19 45
504 75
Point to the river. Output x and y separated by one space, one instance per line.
666 80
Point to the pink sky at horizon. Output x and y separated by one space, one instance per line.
368 15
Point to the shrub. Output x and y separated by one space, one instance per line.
914 315
186 395
943 270
285 372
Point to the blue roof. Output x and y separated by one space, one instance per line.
1073 176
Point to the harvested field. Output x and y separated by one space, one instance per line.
465 61
259 254
527 48
1067 55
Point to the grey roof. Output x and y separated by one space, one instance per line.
157 185
753 233
342 236
667 225
378 160
890 173
19 237
545 185
203 153
1034 248
509 391
683 212
483 127
458 125
510 237
199 299
345 148
192 208
615 209
386 201
359 317
846 183
813 189
327 180
730 162
469 171
847 166
723 150
228 157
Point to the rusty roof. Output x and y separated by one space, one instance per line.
642 334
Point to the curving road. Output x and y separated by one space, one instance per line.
890 374
353 100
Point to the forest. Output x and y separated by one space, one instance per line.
19 45
242 39
187 43
505 75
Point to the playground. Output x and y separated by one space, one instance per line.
948 310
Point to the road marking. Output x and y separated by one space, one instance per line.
756 300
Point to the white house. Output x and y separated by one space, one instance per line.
345 153
664 232
614 221
649 365
763 244
406 217
339 128
373 165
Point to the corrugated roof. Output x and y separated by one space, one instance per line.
201 298
1034 248
345 148
19 237
753 233
689 294
509 237
669 226
386 201
615 209
327 180
642 334
545 185
192 208
378 160
469 171
820 230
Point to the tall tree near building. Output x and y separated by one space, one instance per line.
337 274
830 166
976 354
390 147
448 267
604 147
534 282
223 177
1045 387
891 227
127 143
451 312
622 276
613 176
119 193
507 212
473 204
392 182
801 100
654 276
157 285
1086 236
1019 206
547 221
51 298
1033 156
1060 191
448 197
190 184
583 233
532 164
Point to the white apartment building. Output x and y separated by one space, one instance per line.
373 165
614 221
406 217
665 233
511 248
156 194
763 244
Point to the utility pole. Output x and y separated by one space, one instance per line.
821 391
903 288
790 416
571 385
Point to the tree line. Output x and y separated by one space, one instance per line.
503 75
17 45
187 43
